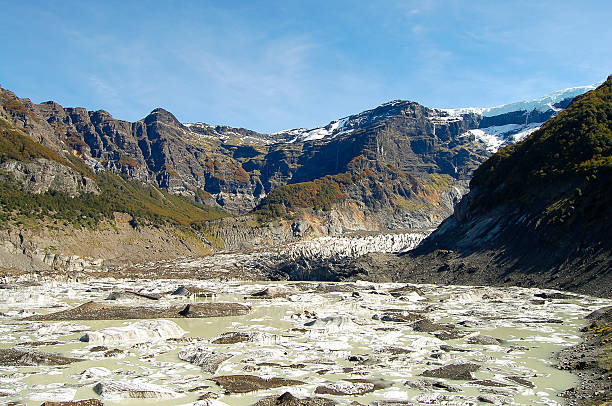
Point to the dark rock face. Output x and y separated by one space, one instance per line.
520 117
42 175
453 371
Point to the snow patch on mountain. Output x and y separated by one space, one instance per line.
226 134
541 104
494 137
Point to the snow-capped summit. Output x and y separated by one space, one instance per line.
497 126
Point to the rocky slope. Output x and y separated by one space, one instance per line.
591 360
538 213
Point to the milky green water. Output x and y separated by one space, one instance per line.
505 313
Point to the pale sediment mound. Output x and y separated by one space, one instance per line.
138 332
207 359
120 390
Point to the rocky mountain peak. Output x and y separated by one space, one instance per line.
162 115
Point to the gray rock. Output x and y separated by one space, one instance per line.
453 371
207 359
103 311
287 399
42 175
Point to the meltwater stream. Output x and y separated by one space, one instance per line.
344 342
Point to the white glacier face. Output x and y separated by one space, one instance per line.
541 104
494 137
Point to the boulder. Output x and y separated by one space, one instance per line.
453 371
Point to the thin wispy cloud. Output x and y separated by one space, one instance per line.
274 65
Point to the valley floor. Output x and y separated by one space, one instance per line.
327 342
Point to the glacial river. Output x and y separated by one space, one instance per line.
347 337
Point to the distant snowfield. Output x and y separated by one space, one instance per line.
541 104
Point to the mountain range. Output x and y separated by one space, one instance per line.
538 213
399 166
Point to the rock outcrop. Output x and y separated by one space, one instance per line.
43 175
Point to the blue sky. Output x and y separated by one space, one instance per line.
271 65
